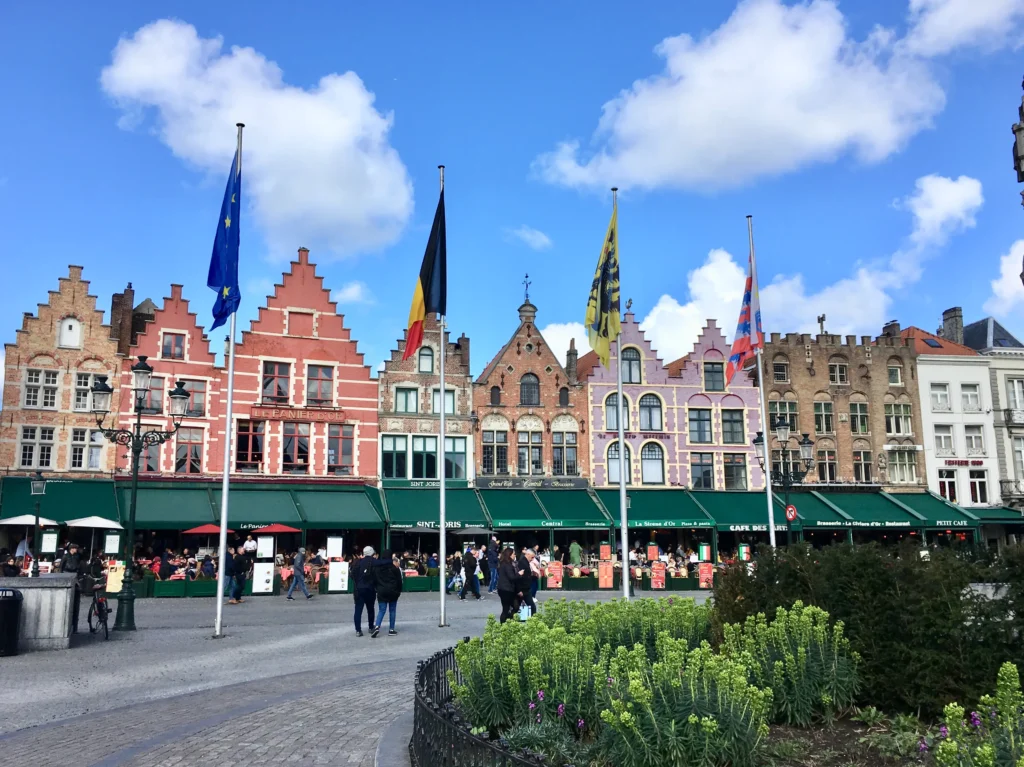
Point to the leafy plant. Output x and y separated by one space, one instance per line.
871 716
807 664
993 736
899 739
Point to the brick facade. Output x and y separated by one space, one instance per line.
46 421
547 411
855 400
410 403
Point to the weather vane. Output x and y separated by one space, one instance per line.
527 283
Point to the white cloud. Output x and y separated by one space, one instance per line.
558 335
773 89
1007 289
940 26
533 238
355 292
318 168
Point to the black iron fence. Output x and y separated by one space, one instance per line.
441 737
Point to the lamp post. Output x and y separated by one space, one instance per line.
790 473
137 440
38 491
1018 151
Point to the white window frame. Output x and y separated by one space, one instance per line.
902 422
903 467
971 401
648 465
456 446
838 373
944 440
978 482
1015 393
42 440
780 376
948 485
939 398
974 439
449 401
898 376
425 353
613 464
41 384
407 392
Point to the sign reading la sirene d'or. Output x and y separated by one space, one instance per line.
297 414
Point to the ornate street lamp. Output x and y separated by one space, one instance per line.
38 485
137 440
789 474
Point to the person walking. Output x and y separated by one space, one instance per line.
508 580
575 553
299 575
471 582
71 562
535 571
493 557
229 570
485 565
456 567
240 566
524 581
387 581
363 590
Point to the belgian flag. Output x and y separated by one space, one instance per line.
431 293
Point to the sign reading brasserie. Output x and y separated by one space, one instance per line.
297 414
521 483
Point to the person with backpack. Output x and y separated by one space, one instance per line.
363 590
469 565
387 582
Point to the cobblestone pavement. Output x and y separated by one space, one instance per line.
290 682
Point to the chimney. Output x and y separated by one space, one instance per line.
304 255
570 362
125 336
953 324
227 349
463 346
527 312
116 307
891 329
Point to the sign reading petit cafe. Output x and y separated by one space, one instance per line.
297 414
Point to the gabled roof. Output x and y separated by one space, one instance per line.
675 368
929 343
989 334
585 365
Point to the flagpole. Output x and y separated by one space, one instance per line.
624 471
442 517
760 391
222 549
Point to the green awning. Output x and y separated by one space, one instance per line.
514 509
572 509
999 515
873 510
169 508
249 508
812 512
656 509
64 499
739 511
409 509
346 508
936 511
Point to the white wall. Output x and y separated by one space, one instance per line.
1004 367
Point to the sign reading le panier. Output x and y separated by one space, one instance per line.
297 414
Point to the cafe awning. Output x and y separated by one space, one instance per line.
420 509
64 499
813 511
338 508
572 509
656 509
249 508
739 510
999 515
874 510
169 508
937 512
514 509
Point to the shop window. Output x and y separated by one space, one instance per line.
249 446
340 455
495 452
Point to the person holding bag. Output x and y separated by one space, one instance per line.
508 578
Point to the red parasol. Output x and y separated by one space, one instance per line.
275 528
205 530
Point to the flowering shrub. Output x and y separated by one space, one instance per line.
993 736
808 665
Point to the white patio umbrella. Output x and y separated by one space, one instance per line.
94 523
27 521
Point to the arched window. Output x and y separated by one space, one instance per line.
529 390
650 413
426 360
613 465
495 395
652 466
563 397
70 333
630 366
611 412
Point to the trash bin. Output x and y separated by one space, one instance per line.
10 621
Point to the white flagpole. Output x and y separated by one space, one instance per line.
625 470
760 390
442 521
222 550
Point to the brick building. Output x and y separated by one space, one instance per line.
46 422
410 406
859 402
531 411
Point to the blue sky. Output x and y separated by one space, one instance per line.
869 140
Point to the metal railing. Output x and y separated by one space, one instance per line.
1011 488
441 737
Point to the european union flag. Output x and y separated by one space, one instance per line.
223 277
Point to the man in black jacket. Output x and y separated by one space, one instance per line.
469 565
387 580
363 590
71 562
241 568
493 552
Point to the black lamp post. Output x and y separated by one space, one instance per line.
38 491
790 473
137 440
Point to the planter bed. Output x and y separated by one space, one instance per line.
583 583
203 588
168 588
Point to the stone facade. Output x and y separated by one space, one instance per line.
859 403
409 418
532 413
47 423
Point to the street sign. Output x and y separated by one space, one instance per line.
791 513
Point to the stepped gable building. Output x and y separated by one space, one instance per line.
410 407
858 402
532 414
177 350
46 423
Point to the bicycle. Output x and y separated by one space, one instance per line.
99 610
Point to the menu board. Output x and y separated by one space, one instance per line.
262 577
337 576
658 575
706 575
264 547
111 543
652 552
555 575
49 545
334 546
606 552
115 578
605 575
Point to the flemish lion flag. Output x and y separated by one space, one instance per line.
431 293
603 320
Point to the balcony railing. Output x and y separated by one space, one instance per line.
976 451
945 452
1011 488
1014 417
